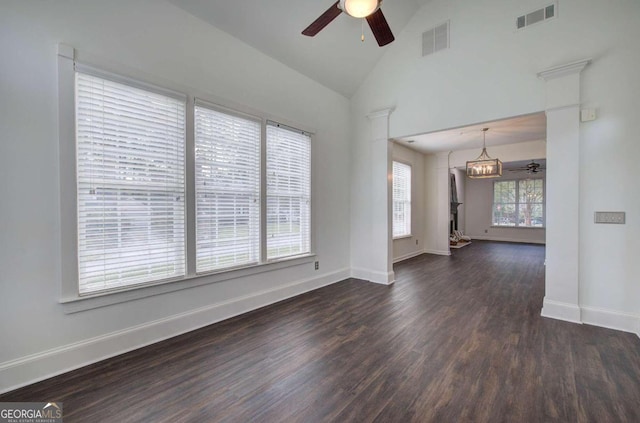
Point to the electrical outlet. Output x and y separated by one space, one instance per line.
317 265
486 231
416 242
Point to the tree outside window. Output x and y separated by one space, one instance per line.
518 203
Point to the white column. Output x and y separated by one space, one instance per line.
562 278
381 246
444 203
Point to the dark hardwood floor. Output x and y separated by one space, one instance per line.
456 339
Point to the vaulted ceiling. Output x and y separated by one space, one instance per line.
339 60
335 57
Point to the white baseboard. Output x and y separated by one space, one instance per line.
610 319
36 367
360 273
561 311
438 252
408 256
500 239
384 278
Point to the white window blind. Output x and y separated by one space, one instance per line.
227 189
288 191
130 146
401 199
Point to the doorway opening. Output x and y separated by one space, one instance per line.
447 206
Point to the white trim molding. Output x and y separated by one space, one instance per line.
561 311
438 252
77 304
374 276
501 239
611 319
380 113
36 367
408 256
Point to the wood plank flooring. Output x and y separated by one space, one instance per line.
456 339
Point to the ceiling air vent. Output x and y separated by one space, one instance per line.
435 39
536 16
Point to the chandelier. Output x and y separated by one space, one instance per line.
484 166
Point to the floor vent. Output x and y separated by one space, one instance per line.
537 16
435 39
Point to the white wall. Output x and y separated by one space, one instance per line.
161 44
490 72
478 206
404 248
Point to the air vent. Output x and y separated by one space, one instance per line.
435 39
536 16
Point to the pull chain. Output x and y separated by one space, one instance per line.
362 37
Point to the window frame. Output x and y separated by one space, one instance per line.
410 201
266 195
69 296
89 73
517 203
234 114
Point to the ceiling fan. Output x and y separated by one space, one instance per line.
367 9
532 167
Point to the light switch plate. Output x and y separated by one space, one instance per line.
609 217
587 115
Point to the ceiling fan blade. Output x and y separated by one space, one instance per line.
380 28
324 20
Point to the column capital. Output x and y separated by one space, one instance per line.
563 84
563 70
66 51
380 113
379 122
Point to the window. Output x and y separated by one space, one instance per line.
401 200
227 168
149 196
130 145
288 191
518 203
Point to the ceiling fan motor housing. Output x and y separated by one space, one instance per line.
359 8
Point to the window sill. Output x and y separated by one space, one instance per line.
88 302
402 237
515 227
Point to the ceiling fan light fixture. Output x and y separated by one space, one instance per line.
368 10
359 8
484 166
